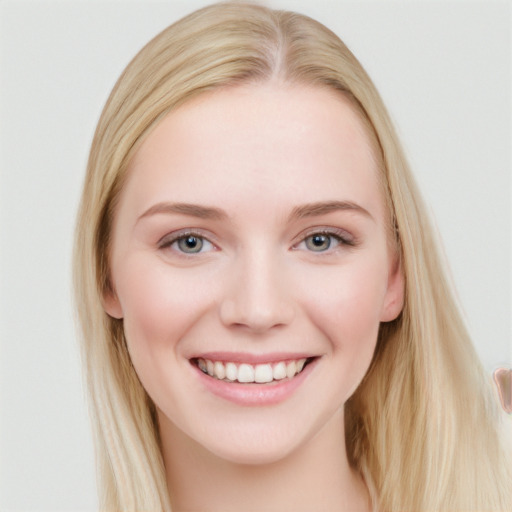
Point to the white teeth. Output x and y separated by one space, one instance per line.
219 370
279 371
263 373
231 371
247 373
300 365
210 368
291 369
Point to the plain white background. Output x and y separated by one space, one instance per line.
444 71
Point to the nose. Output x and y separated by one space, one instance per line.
257 296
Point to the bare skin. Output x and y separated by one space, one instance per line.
316 478
253 229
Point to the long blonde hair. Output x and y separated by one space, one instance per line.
422 427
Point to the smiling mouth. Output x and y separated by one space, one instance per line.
248 373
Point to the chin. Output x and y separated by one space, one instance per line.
256 442
253 454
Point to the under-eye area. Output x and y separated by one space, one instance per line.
252 373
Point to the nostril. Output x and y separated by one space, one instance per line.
255 316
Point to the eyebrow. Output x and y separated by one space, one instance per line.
212 213
193 210
324 207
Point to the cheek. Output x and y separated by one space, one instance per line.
160 306
347 310
350 297
350 320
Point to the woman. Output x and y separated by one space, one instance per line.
266 323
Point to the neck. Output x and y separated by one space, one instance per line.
316 476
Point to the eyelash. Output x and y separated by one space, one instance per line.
169 240
342 238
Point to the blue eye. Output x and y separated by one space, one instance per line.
321 242
190 244
187 243
326 241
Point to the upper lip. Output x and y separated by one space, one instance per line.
239 357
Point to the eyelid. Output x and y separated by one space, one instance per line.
168 239
345 238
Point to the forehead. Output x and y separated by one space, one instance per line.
290 142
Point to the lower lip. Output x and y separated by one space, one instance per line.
254 394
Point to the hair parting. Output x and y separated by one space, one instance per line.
422 428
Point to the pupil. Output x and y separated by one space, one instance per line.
190 244
319 242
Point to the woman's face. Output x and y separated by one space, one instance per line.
250 243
